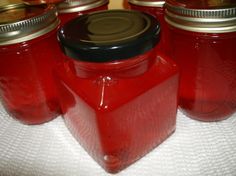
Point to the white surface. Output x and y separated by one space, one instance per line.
195 149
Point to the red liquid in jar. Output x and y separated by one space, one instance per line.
119 116
208 73
118 109
26 82
67 16
125 4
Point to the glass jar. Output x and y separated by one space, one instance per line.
73 8
155 8
203 43
28 51
118 96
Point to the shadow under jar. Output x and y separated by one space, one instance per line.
73 8
203 41
28 51
118 95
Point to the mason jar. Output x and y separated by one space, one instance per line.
202 41
118 94
28 51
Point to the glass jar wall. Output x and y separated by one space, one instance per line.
28 51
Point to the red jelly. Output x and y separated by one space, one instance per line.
73 8
28 48
118 96
203 44
155 8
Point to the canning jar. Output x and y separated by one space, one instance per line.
118 95
155 8
203 39
73 8
28 51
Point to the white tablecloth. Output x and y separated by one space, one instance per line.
195 149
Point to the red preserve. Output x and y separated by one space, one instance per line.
73 8
28 48
203 43
155 8
119 97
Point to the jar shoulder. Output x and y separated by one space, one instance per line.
107 91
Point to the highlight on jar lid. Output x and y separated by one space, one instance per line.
69 6
5 3
20 22
200 16
109 35
39 2
148 3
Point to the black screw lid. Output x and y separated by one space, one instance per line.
109 35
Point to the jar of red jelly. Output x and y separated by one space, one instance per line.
155 8
28 51
73 8
202 41
118 96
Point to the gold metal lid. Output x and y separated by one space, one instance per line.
4 3
212 20
70 6
19 23
202 4
148 3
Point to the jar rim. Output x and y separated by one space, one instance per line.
40 2
109 35
71 6
26 25
148 3
217 20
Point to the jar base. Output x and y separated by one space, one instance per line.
114 165
207 110
35 114
206 117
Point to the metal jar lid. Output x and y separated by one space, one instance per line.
220 19
19 23
109 35
148 3
70 6
9 2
